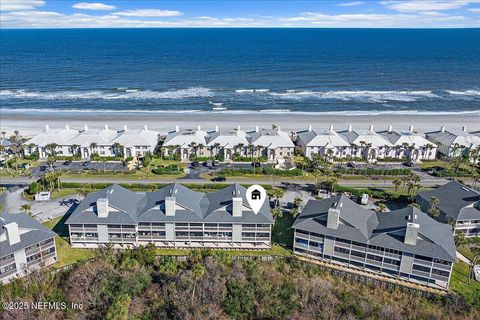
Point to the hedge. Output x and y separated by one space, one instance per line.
373 192
267 170
375 172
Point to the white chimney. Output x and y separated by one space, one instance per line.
199 128
350 128
390 128
177 128
13 234
464 128
331 128
442 129
106 127
279 128
237 207
257 129
170 206
145 127
102 207
411 233
85 127
67 127
124 127
47 127
333 217
238 128
371 128
216 128
310 128
410 129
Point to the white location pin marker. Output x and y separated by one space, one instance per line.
256 196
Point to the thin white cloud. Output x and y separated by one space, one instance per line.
351 4
474 10
93 6
148 13
427 5
20 5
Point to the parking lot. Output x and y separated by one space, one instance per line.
80 165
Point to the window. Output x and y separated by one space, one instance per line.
440 272
301 241
373 257
357 254
341 250
420 268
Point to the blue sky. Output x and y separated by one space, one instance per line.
319 14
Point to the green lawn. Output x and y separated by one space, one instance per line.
136 175
459 284
282 232
465 250
65 253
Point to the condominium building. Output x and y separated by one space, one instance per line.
405 244
326 143
25 245
454 143
408 144
228 142
174 216
456 203
366 144
87 142
186 142
271 143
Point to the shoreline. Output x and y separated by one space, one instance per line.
29 124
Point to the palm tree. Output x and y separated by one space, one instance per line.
198 271
433 211
118 149
216 146
75 149
93 146
52 148
382 207
200 148
474 154
397 183
251 147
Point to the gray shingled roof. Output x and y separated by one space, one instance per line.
455 199
382 229
192 206
35 232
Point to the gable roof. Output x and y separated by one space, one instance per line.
31 232
134 137
452 137
325 138
270 138
398 138
100 137
382 229
367 136
227 138
185 137
61 137
455 200
191 206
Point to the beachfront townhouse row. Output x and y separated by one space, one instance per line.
25 245
365 144
403 244
272 144
174 216
455 143
104 142
456 203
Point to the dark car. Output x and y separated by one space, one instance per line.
408 164
351 164
256 164
194 164
86 163
219 179
43 168
67 163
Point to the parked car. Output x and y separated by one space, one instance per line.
194 164
256 164
67 163
219 179
351 164
43 168
86 163
408 164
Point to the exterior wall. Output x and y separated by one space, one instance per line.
388 262
179 234
470 227
23 261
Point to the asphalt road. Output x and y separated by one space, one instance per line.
431 182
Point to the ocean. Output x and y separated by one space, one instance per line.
326 71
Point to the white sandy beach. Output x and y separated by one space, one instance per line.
32 124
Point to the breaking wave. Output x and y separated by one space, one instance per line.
357 95
119 93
